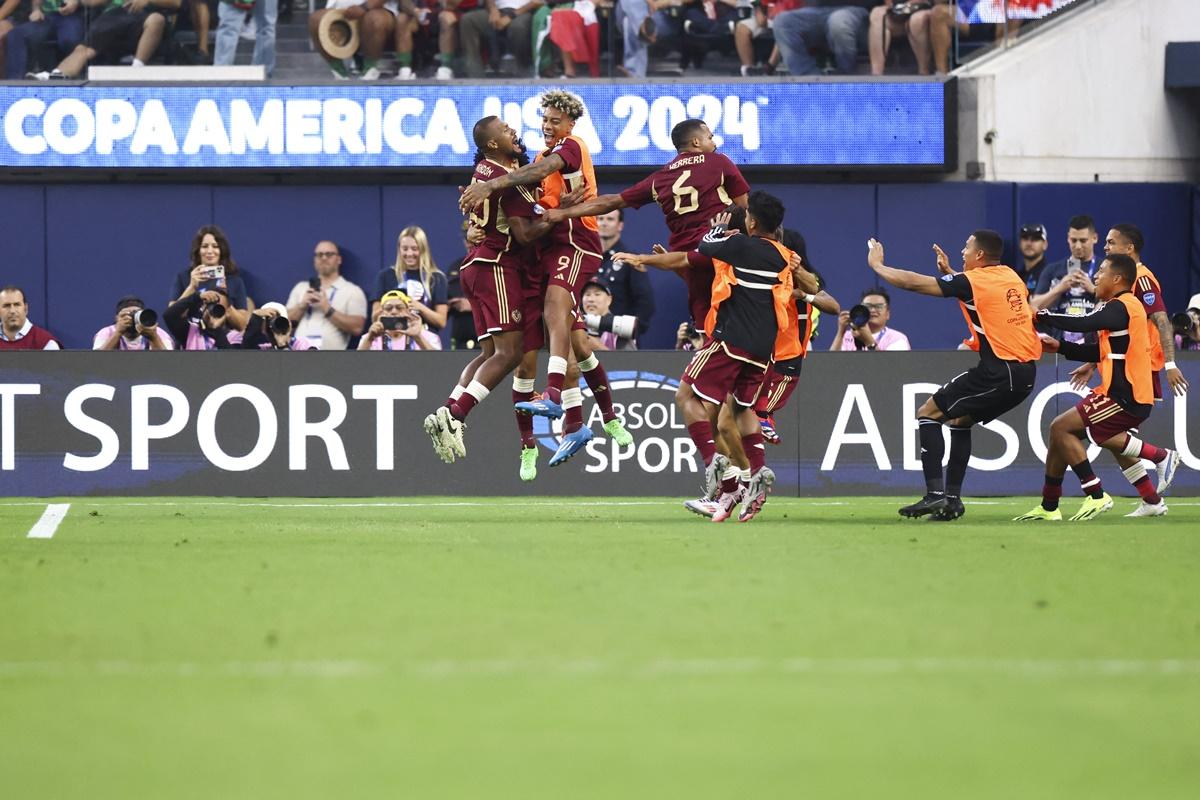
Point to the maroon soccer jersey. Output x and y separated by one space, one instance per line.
499 246
691 190
521 201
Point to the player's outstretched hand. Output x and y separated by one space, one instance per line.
1049 343
721 220
473 196
943 261
1081 375
874 253
632 259
658 249
1177 382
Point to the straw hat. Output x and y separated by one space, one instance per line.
337 35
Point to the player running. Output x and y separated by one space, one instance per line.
751 305
571 256
496 280
1122 402
995 304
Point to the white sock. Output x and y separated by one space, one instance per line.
1133 448
1134 473
745 478
457 391
730 472
589 363
478 391
557 365
522 384
572 398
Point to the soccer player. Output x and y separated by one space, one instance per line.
571 255
751 305
1122 402
995 303
495 279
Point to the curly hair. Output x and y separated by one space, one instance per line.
564 101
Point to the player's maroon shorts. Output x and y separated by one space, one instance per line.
496 295
569 267
717 371
777 388
533 290
1104 418
699 293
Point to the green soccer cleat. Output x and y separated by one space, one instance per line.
528 463
615 428
1093 507
1040 513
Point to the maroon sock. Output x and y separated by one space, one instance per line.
729 485
753 445
1088 481
1051 493
461 407
524 421
1146 489
572 419
1153 452
701 433
597 381
554 383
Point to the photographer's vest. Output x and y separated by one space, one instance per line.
1146 282
1000 302
788 341
1136 356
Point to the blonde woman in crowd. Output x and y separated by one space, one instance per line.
416 275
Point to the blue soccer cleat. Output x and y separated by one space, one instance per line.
542 407
571 444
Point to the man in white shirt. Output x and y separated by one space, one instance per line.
327 309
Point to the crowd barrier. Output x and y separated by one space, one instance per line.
317 424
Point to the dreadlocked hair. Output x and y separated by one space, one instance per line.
564 101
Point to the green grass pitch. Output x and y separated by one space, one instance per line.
595 648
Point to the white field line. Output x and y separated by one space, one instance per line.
442 669
432 504
45 527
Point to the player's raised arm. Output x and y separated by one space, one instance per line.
663 260
528 175
901 278
592 208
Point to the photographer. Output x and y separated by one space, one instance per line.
201 321
398 326
270 329
688 338
135 328
1187 326
606 331
865 326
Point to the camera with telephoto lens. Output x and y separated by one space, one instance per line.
280 325
860 315
1183 322
214 311
144 318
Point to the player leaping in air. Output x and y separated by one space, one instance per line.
571 255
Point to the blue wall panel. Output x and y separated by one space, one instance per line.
23 231
912 218
107 241
434 209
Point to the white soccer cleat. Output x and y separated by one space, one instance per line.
755 498
437 435
1145 509
454 432
1166 471
726 503
702 506
712 476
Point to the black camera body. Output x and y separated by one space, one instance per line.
214 311
1183 322
280 325
143 317
860 315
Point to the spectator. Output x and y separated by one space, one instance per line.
200 321
461 320
630 288
16 331
835 24
122 27
1033 251
510 21
327 310
132 331
643 22
759 28
212 267
1187 336
231 16
900 18
57 21
1066 287
11 15
398 326
417 275
688 338
201 18
270 329
575 31
873 333
605 331
447 21
381 23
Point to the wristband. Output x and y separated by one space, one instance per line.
808 298
329 313
1170 365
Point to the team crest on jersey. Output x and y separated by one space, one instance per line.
515 315
1148 298
538 209
947 278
